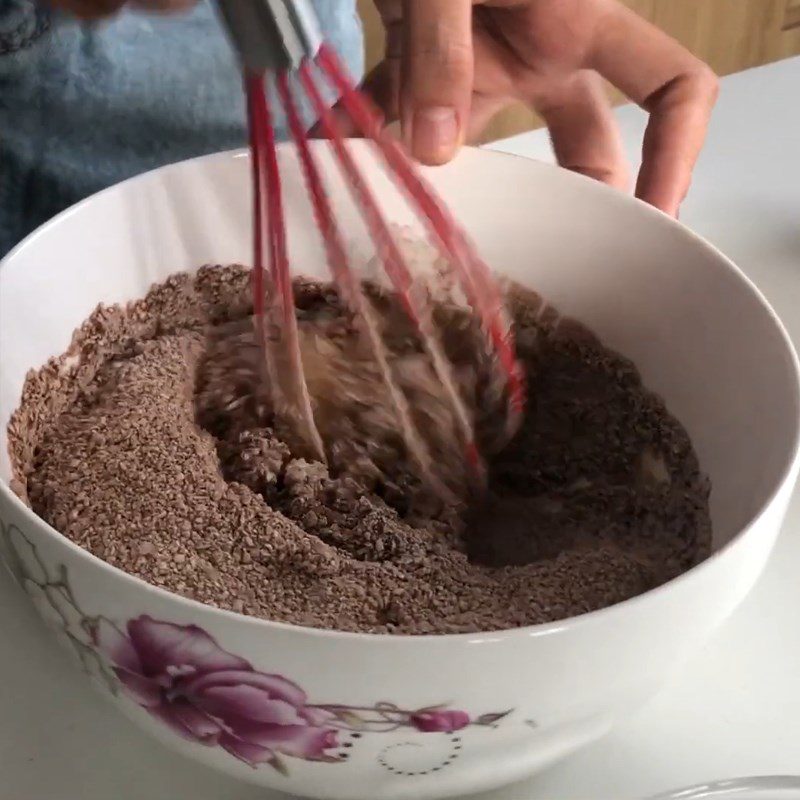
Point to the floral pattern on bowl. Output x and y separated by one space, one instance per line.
183 678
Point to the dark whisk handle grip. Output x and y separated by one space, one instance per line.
272 35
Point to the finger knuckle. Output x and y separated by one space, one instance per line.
446 55
701 83
708 83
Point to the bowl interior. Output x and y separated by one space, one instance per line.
701 335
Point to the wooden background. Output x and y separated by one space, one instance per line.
729 35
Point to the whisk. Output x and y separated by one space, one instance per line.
281 38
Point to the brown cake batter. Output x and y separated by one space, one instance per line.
152 444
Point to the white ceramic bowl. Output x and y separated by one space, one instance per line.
702 336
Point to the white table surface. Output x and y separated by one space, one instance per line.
735 710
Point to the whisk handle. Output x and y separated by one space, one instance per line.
272 35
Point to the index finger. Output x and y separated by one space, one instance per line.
675 87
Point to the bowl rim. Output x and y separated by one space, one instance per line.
612 196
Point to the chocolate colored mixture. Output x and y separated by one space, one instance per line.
151 443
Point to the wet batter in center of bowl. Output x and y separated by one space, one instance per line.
150 444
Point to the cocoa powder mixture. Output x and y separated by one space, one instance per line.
150 443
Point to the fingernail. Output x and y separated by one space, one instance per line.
434 134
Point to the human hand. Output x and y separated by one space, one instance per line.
451 65
95 9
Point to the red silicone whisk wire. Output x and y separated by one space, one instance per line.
266 179
413 296
350 287
254 86
476 280
274 302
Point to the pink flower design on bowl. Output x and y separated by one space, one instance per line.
440 720
183 678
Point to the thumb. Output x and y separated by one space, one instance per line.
437 72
